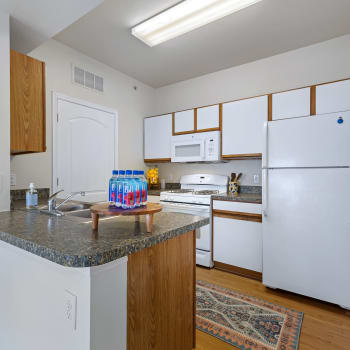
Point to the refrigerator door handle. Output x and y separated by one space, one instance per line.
265 145
264 191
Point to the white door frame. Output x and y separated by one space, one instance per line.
58 96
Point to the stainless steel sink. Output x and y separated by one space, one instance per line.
73 207
81 213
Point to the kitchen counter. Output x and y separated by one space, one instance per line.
154 192
240 197
87 281
70 241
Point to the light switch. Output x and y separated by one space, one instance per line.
70 308
256 179
13 179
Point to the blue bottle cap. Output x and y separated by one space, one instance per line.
128 172
142 172
115 172
135 172
121 172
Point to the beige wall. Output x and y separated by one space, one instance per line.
132 106
4 112
326 61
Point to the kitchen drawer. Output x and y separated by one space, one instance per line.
241 207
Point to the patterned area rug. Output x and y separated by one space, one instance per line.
246 322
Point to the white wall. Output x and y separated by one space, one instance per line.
4 112
132 107
326 61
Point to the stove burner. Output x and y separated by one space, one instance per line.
205 192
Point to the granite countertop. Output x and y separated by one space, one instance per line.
154 192
70 241
240 197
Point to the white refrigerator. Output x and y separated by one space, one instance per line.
306 206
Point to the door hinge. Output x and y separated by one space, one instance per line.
57 117
57 182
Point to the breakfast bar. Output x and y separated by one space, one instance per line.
119 288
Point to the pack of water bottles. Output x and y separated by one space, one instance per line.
128 189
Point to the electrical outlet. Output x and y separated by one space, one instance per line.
70 308
256 179
13 179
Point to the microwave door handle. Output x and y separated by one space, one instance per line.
203 150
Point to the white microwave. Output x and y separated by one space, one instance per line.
199 147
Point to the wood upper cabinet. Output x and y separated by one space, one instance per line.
291 104
184 122
208 118
242 127
333 97
157 138
28 127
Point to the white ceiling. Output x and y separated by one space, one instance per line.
267 28
35 21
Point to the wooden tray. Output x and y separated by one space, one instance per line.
105 209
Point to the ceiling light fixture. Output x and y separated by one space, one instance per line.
184 17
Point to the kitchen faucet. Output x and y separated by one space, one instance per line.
52 209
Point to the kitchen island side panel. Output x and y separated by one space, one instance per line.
161 296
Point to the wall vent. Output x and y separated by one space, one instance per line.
87 79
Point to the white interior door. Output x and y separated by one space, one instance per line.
85 150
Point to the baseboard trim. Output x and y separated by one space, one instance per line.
238 271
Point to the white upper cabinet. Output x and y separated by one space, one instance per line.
291 104
208 117
242 126
333 97
157 137
184 121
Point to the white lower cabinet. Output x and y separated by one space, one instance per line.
238 243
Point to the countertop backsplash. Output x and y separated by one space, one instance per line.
172 172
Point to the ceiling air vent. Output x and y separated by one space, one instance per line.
87 79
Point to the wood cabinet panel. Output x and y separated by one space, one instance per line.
157 138
242 127
161 296
28 123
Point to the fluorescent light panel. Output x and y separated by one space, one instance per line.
184 17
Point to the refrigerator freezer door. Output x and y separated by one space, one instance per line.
317 141
306 233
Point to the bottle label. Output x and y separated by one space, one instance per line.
137 194
144 193
113 193
31 199
125 195
131 196
120 194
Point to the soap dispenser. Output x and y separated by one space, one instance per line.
31 197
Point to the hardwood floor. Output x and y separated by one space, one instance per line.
325 326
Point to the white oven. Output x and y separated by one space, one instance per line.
199 147
203 234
